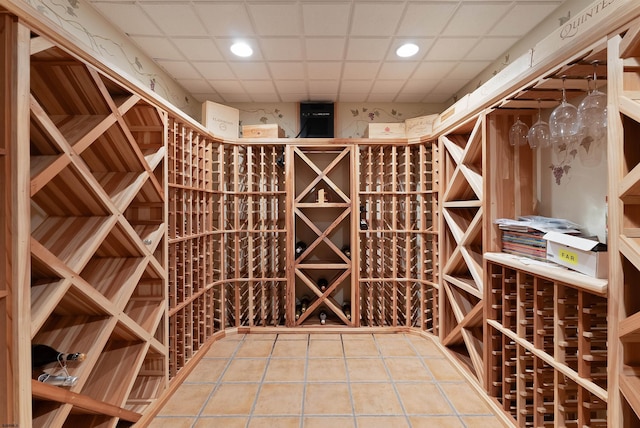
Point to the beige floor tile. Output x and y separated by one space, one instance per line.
207 370
261 336
360 348
290 349
232 399
226 422
279 399
425 347
234 336
324 336
443 370
423 399
326 370
245 370
222 349
407 369
482 422
366 369
436 422
465 400
292 336
357 337
328 422
285 370
375 399
327 399
382 422
325 348
187 400
275 422
168 422
396 348
254 348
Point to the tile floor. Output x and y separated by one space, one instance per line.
325 380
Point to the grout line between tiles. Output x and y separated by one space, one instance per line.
304 389
264 375
393 384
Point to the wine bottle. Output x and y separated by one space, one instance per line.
322 284
280 160
57 380
323 317
298 311
300 248
347 251
42 355
363 224
304 304
346 308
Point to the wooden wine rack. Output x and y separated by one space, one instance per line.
397 238
461 244
98 247
624 272
547 335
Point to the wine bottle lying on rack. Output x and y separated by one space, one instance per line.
304 304
347 251
298 310
346 308
322 284
41 355
57 380
300 248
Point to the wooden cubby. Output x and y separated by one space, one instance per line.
546 330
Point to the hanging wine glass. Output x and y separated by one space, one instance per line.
592 112
564 124
518 133
539 133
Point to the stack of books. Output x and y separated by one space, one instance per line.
525 236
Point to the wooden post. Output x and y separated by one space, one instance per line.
15 305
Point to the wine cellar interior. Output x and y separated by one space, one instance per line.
137 237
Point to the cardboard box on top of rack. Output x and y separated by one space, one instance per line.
587 256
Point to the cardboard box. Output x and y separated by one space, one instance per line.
385 130
419 126
577 253
269 130
221 120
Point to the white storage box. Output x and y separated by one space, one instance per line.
577 253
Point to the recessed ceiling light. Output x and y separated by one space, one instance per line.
407 50
241 49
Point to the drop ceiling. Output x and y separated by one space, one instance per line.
323 50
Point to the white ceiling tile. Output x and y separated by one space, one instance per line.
409 97
158 47
224 45
523 18
276 19
490 48
195 85
250 70
368 49
450 85
128 17
164 16
347 97
397 70
323 86
423 43
426 19
291 86
360 70
434 69
422 86
259 86
225 19
387 86
282 49
375 19
179 69
330 19
263 97
447 49
325 49
356 86
236 97
324 70
475 19
380 97
198 49
438 98
215 70
287 70
226 86
294 97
